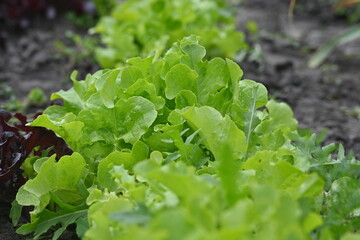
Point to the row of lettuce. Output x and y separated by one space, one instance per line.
132 28
174 144
179 147
139 28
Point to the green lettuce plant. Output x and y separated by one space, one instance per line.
139 28
183 148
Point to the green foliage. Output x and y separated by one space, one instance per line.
56 196
178 204
36 97
182 148
78 49
10 101
137 28
104 7
81 20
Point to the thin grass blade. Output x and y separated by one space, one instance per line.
321 54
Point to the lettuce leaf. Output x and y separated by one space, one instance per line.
180 147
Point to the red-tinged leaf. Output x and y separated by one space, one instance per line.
17 142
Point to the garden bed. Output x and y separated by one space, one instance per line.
326 97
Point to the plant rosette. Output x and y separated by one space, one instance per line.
180 147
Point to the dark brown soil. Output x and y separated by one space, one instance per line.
321 98
31 58
7 232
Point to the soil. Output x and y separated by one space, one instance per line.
7 231
326 97
322 98
31 59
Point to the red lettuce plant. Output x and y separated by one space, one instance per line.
17 142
